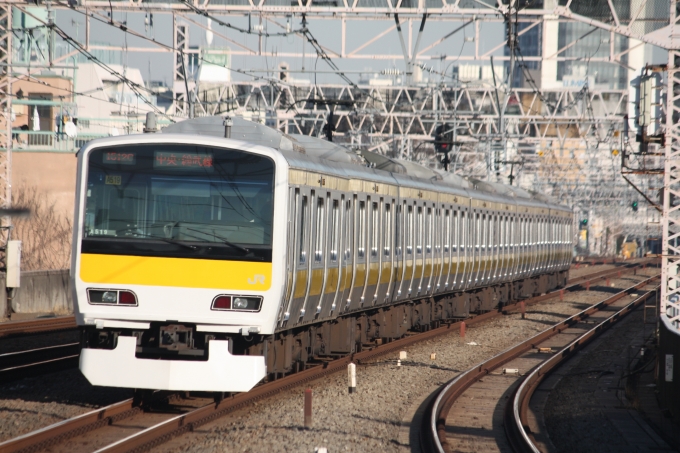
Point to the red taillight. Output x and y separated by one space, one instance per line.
222 303
127 298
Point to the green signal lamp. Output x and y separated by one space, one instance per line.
634 205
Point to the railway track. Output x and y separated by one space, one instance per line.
39 325
176 418
473 411
17 365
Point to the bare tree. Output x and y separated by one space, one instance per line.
45 233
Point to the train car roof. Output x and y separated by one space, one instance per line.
314 154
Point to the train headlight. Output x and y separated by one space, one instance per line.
236 303
111 297
240 303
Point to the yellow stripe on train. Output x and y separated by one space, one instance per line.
176 272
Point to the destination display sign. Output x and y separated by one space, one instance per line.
169 160
115 157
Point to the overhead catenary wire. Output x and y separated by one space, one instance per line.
134 86
124 28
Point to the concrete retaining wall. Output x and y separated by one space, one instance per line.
42 292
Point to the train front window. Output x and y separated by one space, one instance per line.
180 201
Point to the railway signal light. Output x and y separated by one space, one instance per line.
634 205
584 223
443 138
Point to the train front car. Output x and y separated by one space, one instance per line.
175 260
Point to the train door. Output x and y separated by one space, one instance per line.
293 200
373 236
429 252
521 245
494 235
527 245
333 256
400 251
409 249
347 255
476 234
462 241
410 254
483 255
386 250
545 252
517 249
457 265
360 251
317 259
442 259
532 244
508 239
491 248
301 255
501 247
419 250
495 244
445 282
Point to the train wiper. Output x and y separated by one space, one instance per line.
223 240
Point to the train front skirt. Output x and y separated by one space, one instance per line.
222 372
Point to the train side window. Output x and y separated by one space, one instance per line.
387 229
303 234
361 251
320 230
335 214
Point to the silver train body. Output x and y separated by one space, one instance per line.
199 261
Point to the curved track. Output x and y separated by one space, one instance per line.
469 405
156 424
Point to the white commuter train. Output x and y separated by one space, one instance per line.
205 263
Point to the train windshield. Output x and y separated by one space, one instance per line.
179 201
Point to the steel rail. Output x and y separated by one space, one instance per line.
178 425
516 415
433 436
15 365
50 435
32 326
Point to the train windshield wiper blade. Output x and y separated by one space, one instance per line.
224 241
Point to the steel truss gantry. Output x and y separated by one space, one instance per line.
414 111
5 116
670 262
